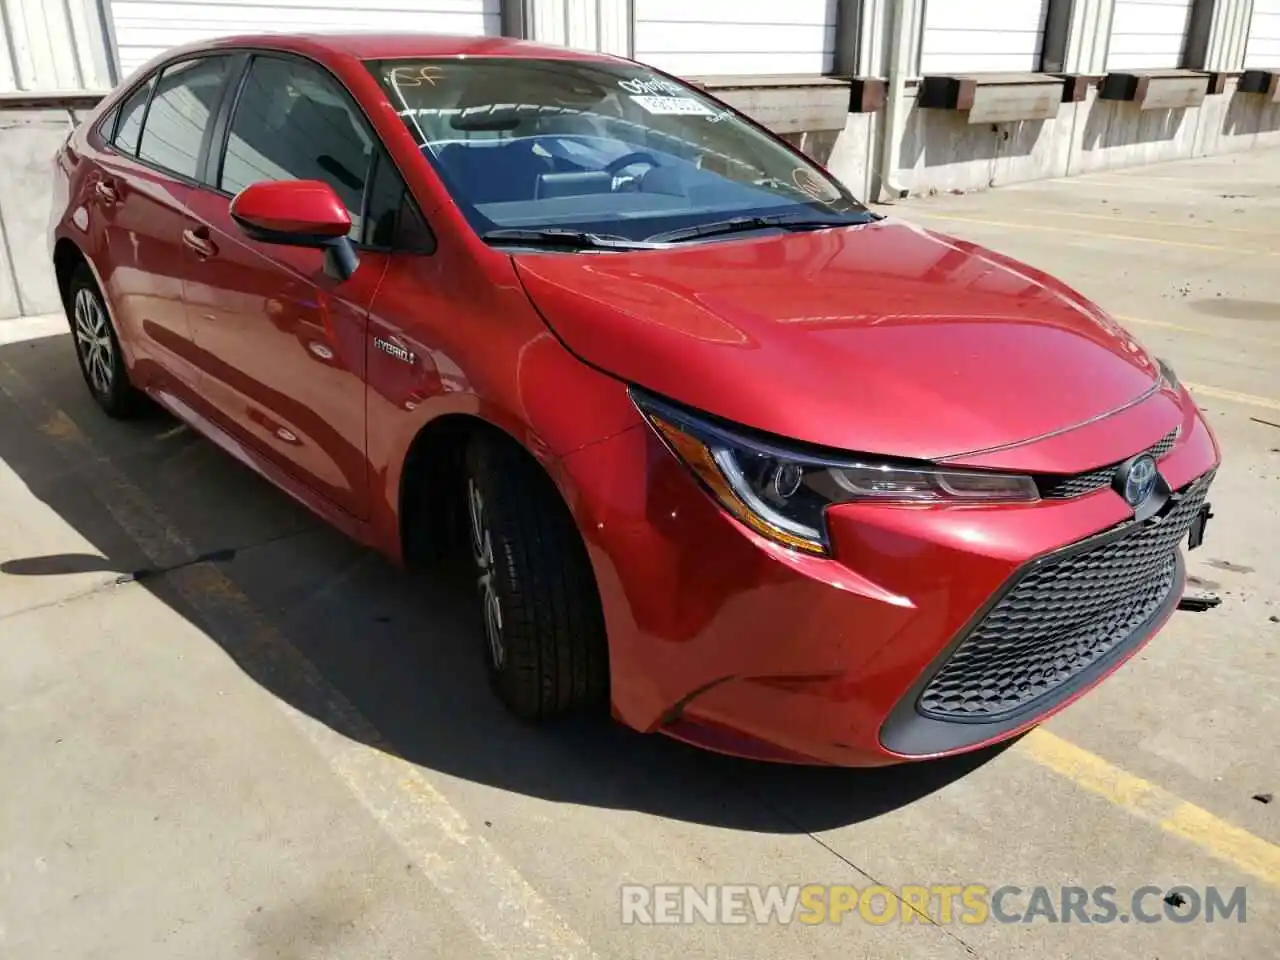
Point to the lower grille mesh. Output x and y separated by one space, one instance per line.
1060 618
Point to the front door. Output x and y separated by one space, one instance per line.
281 346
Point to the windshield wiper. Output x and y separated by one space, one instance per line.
742 224
564 239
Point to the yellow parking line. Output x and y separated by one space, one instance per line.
1096 234
1235 396
1197 331
1148 182
1136 221
1137 175
1145 800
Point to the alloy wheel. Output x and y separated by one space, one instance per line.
482 554
93 341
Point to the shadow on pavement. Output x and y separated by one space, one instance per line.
403 650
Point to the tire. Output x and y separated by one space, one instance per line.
98 349
544 631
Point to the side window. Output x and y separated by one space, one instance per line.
185 97
107 125
386 194
130 123
392 220
293 121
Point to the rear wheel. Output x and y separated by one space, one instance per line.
98 348
544 631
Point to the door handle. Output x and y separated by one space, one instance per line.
106 192
198 240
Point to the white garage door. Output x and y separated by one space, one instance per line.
1148 34
1263 48
736 37
961 36
144 28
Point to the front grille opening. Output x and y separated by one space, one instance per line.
1061 617
1077 485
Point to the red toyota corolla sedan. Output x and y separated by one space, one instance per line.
758 468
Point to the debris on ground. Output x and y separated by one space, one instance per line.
1199 603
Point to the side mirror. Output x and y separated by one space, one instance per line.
299 213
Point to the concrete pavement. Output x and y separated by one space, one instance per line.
227 732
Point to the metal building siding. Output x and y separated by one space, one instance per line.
601 25
46 46
1148 34
736 37
1262 50
961 36
144 28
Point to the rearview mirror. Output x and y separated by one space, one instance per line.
300 213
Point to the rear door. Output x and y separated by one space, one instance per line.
139 193
281 345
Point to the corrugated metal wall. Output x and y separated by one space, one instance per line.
961 36
735 37
1263 49
144 28
52 45
582 24
1148 34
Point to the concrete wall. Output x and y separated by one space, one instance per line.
938 151
28 138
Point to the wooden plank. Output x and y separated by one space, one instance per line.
786 107
1157 89
1000 103
1167 93
995 97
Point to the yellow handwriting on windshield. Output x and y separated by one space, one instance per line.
416 76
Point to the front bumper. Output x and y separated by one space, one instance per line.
727 640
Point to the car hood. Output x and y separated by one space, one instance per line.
884 338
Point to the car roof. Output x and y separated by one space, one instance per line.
390 46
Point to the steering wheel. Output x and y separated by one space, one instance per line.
615 167
631 183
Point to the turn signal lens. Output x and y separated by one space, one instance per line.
721 475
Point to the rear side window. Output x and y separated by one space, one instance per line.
293 121
130 123
107 125
180 112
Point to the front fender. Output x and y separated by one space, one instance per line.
552 405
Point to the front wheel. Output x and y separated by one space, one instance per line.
98 348
544 630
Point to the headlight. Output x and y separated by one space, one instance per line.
1167 374
783 494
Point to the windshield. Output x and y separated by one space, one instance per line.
610 149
